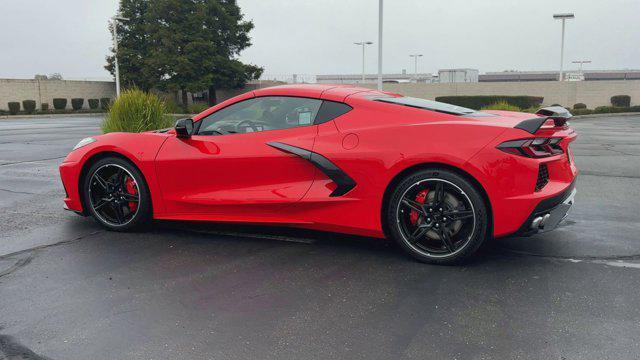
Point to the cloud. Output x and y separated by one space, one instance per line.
316 37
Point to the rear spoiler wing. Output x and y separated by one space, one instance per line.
558 114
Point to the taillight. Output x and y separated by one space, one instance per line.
533 148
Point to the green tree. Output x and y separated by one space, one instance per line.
134 45
184 45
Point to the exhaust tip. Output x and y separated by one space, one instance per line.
538 222
544 220
535 224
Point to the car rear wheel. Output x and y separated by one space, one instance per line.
437 216
116 195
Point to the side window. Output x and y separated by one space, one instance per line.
261 114
331 110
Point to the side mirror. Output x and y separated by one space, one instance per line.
184 128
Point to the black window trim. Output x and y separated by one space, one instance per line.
384 99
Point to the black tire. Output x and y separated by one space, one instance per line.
131 220
412 224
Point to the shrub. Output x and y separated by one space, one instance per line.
29 106
14 107
136 111
555 105
635 108
105 103
579 106
621 100
602 110
615 109
44 107
94 103
59 104
502 105
77 103
581 112
477 102
197 108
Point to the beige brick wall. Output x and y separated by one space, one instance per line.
43 91
592 93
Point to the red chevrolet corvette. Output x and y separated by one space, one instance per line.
438 179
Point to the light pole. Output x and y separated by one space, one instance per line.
562 17
416 56
114 32
581 62
380 45
363 44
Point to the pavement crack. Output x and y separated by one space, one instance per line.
610 148
596 173
10 348
41 247
17 192
17 265
579 258
31 161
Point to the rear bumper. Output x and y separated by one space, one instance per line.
549 213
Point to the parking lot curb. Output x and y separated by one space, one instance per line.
605 115
46 116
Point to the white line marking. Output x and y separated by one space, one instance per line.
614 263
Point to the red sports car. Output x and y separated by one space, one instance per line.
438 179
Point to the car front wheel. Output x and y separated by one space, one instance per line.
116 195
437 216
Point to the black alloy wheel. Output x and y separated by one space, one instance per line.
116 194
437 216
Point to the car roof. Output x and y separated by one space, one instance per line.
319 91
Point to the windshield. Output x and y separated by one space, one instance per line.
428 105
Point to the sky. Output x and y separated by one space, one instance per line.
311 37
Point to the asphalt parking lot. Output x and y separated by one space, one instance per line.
70 290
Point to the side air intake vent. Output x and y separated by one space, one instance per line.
543 177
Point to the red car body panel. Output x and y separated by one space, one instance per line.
239 178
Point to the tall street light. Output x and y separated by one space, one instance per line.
363 44
581 62
380 45
416 56
562 17
114 32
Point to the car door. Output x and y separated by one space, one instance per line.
227 169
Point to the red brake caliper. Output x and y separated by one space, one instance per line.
132 189
421 197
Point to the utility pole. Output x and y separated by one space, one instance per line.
380 45
363 44
562 17
114 32
416 56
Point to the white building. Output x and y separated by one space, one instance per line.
458 75
354 79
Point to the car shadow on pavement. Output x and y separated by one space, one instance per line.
381 248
